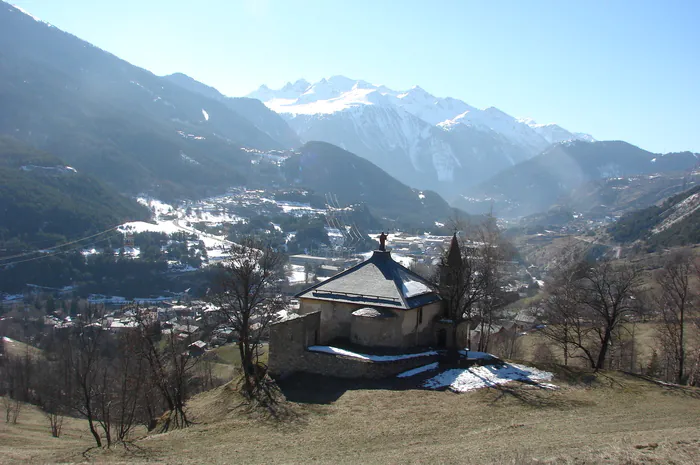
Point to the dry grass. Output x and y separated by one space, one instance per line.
605 418
20 349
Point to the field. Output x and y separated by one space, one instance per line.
593 418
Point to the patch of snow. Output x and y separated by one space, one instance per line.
477 377
296 274
475 354
166 227
156 206
368 312
679 211
419 370
372 358
188 159
205 114
413 288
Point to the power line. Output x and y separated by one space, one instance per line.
26 254
5 265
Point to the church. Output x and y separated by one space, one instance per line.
376 307
377 303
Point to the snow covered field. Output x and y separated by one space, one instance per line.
419 370
476 377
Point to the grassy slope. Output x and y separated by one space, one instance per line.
611 418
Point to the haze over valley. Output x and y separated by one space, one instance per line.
304 266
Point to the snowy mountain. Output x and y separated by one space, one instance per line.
425 141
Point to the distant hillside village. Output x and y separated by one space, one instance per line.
370 303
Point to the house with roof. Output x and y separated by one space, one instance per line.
377 303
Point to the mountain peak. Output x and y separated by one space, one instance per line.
340 93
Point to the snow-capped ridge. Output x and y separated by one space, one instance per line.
425 141
339 93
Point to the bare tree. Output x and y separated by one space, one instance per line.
565 327
13 384
609 294
84 353
53 392
470 278
128 386
246 292
12 408
169 367
492 255
587 306
676 302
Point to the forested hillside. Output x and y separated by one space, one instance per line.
675 222
324 167
132 129
43 202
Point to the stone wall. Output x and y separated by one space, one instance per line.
381 331
288 354
337 323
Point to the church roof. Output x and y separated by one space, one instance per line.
378 282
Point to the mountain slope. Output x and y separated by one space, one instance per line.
123 124
674 222
253 110
423 140
616 196
42 201
326 168
536 184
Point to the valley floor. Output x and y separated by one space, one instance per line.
605 418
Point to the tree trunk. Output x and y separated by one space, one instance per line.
681 348
605 343
94 432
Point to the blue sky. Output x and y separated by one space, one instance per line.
626 70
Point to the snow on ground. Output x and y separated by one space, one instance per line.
213 218
679 211
297 274
477 377
205 114
166 227
156 206
419 370
476 355
373 358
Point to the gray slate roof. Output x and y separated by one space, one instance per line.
378 282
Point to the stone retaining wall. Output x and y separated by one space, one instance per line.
288 354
